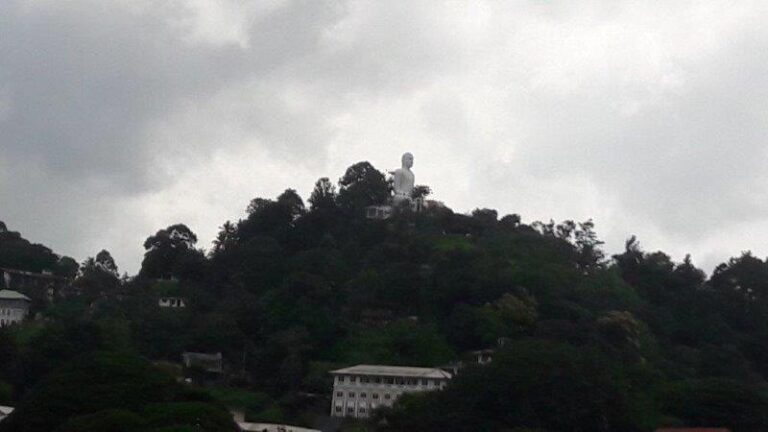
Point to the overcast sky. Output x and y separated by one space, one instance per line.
121 117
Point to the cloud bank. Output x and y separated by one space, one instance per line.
118 118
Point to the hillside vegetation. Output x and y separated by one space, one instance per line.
591 343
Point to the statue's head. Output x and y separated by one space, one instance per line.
407 160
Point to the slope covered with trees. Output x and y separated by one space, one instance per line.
289 292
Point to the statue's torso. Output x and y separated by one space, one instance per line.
404 181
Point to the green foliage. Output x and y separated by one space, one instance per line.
403 342
523 385
91 383
741 406
113 420
109 391
196 415
18 253
171 253
288 294
362 185
252 402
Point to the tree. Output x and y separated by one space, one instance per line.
485 216
98 388
323 196
98 276
740 406
67 267
420 191
521 389
362 185
104 262
170 252
292 202
226 239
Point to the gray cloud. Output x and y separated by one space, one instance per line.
118 118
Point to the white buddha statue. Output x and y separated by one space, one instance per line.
404 181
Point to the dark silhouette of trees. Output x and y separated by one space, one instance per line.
362 185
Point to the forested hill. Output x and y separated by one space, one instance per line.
18 253
591 343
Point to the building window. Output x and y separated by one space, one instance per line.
364 379
389 380
339 394
363 395
362 410
423 382
351 410
341 378
377 380
387 396
353 379
338 409
375 395
399 381
351 394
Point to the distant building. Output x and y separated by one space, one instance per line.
172 302
39 286
265 427
483 357
358 390
14 306
379 212
203 368
5 411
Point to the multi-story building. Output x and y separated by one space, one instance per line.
358 390
14 306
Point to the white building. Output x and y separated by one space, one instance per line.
270 427
171 302
239 417
14 306
379 212
358 390
5 411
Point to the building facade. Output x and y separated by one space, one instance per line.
359 390
171 302
14 306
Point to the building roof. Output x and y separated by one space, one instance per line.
270 427
31 274
12 295
401 371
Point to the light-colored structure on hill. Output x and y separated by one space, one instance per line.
5 411
172 302
403 181
239 416
14 306
358 390
43 285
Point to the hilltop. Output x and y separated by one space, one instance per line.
294 290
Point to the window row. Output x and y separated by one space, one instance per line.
341 379
363 395
350 410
